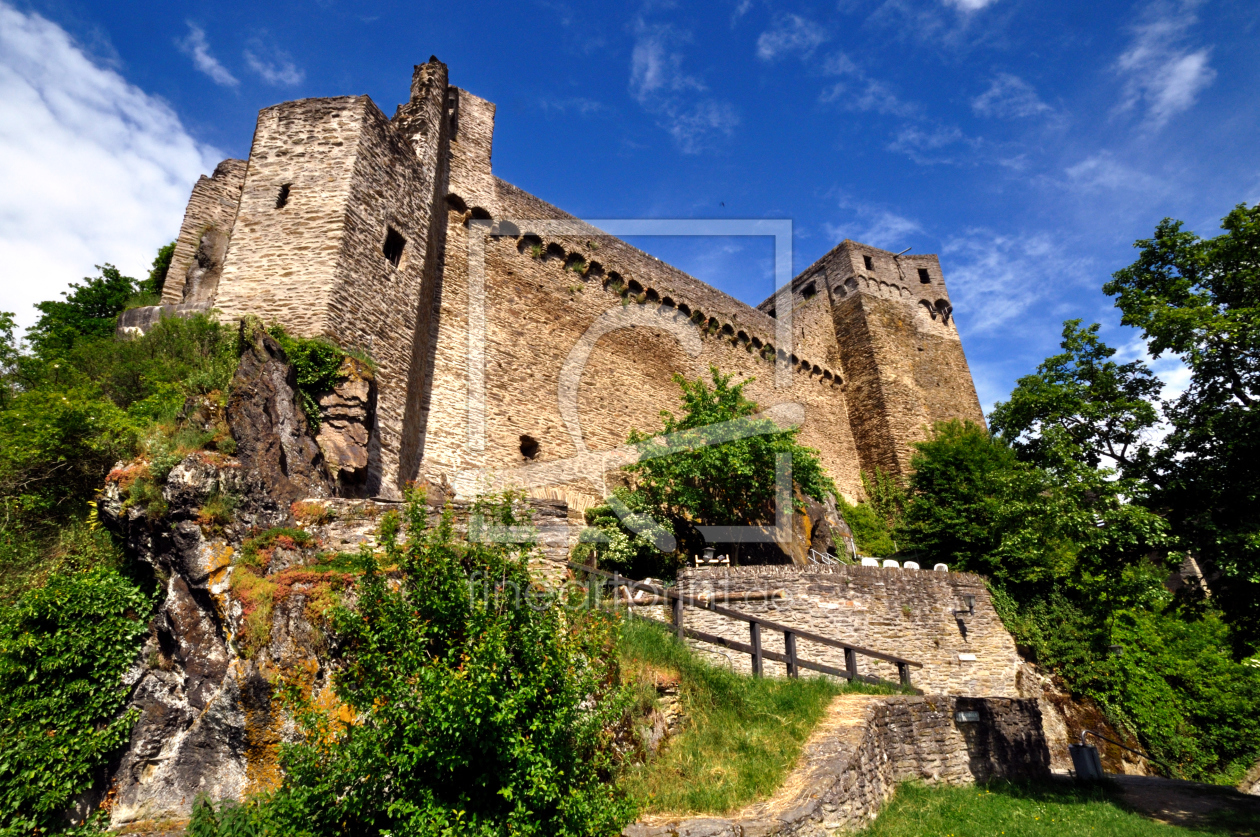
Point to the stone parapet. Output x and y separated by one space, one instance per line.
914 614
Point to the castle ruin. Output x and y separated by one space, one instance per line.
356 227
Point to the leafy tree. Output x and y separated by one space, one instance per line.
9 356
974 504
152 285
63 650
88 311
479 701
1199 299
715 465
1102 408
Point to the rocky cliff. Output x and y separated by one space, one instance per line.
253 550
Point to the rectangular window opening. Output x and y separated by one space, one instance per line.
869 262
923 276
393 247
282 199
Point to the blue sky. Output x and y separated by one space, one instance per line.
1027 143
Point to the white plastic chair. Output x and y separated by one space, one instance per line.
910 565
941 568
870 562
890 564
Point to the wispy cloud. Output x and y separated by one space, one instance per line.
1102 172
1163 75
94 168
791 35
656 63
996 279
932 144
873 225
274 66
859 92
1009 97
968 5
659 83
573 104
196 47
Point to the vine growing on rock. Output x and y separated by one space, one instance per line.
63 650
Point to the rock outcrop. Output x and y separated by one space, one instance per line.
346 416
273 438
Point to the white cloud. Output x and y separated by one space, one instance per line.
656 62
996 280
692 127
857 91
278 69
196 47
969 5
791 35
873 225
659 83
1162 74
577 104
1102 172
94 169
927 146
1009 97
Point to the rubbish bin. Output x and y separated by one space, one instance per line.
1086 762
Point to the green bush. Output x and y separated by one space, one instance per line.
630 545
316 362
63 650
480 703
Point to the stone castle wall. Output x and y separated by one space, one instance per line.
870 354
908 613
211 209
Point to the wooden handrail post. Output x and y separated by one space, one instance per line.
789 648
904 671
850 663
678 615
754 632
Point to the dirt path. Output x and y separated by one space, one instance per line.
1190 804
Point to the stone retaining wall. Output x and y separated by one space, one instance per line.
913 614
865 747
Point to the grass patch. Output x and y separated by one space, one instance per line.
1059 809
741 735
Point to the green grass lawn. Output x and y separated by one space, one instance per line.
1058 809
742 734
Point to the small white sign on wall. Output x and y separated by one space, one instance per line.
967 658
967 717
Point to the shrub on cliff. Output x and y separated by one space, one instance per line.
473 702
63 650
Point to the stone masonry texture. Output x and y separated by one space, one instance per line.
393 236
919 615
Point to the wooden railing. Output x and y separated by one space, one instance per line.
756 625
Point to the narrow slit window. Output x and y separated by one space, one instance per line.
923 276
869 262
393 247
282 199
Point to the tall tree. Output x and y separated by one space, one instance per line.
1104 410
1199 299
